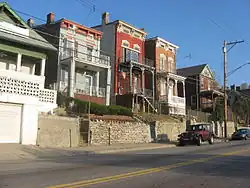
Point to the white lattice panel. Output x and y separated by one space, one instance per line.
19 87
47 96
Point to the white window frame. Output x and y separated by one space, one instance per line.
162 62
170 64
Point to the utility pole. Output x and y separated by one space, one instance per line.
225 51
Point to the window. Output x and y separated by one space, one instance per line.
193 100
76 49
130 55
208 85
65 46
89 53
171 67
202 82
162 63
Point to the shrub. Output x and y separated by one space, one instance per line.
81 107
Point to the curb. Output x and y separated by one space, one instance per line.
133 149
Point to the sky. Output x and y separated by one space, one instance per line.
198 27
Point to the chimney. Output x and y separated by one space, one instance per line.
105 18
30 22
238 88
50 18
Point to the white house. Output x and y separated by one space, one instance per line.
80 68
23 54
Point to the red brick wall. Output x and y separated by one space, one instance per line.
132 40
206 80
168 53
98 100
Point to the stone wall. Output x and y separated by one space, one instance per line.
104 132
219 129
168 131
58 131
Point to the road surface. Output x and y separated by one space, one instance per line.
223 165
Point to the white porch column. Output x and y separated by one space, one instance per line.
19 62
143 89
184 92
143 81
71 79
42 71
175 88
33 69
97 77
108 87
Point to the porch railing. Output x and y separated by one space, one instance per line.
173 99
92 91
102 59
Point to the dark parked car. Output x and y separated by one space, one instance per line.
197 134
240 134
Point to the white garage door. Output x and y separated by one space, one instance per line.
10 122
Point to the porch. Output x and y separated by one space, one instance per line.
208 99
86 78
136 79
171 93
22 81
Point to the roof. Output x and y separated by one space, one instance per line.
34 39
74 23
191 71
162 40
125 23
245 92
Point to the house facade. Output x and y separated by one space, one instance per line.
23 59
201 87
80 69
132 74
169 86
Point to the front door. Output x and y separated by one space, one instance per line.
88 84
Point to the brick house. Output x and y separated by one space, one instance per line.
80 68
201 87
132 74
169 87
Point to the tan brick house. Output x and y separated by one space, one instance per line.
169 87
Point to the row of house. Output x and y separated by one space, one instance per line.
111 63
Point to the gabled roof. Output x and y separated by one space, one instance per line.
34 39
191 71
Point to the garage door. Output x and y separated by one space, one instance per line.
10 123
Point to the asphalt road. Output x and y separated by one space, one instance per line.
221 165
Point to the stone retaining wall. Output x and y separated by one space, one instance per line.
168 131
117 132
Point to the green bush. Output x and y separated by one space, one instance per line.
81 107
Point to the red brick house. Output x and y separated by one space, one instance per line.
169 87
201 87
132 74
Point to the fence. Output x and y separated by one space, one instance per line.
198 115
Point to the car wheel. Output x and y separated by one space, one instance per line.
245 137
211 140
199 141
